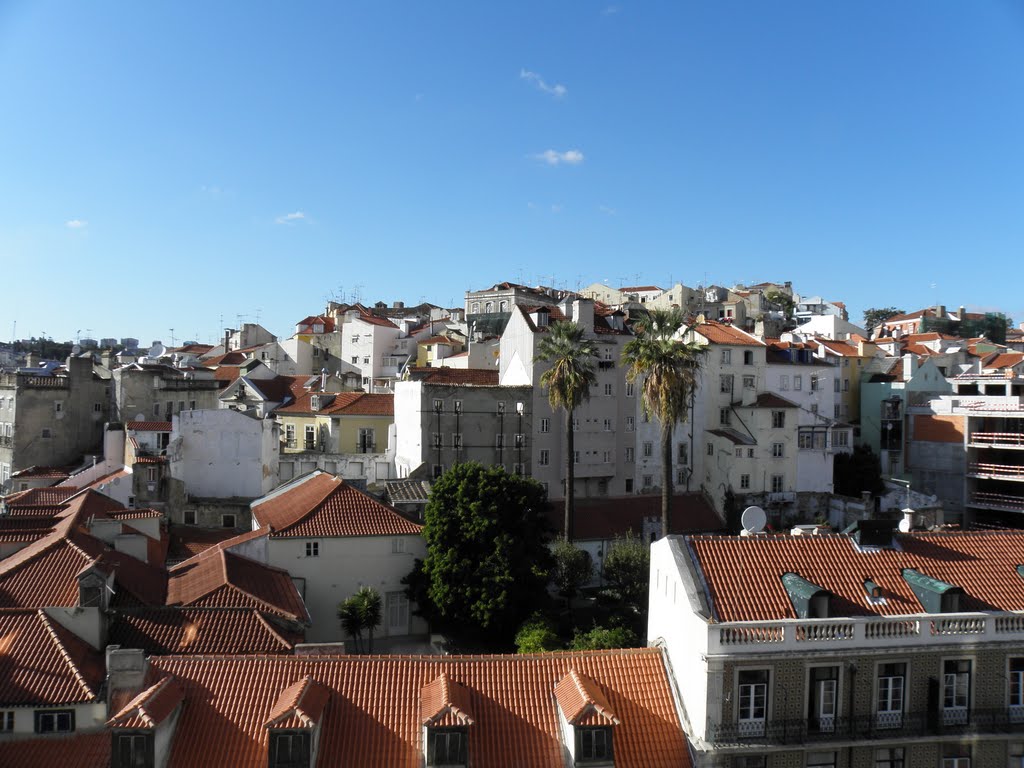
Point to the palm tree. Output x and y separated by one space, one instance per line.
370 614
351 622
568 382
667 368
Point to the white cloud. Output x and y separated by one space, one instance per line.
557 90
556 208
607 210
76 224
569 157
291 218
610 10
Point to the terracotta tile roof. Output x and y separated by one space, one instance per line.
455 376
639 288
135 514
372 319
409 491
194 349
76 750
583 702
1005 360
322 505
42 663
280 388
149 426
217 578
115 475
227 373
40 497
188 541
839 347
151 707
719 333
767 400
438 340
743 574
228 358
606 518
373 710
444 703
307 323
56 473
734 436
344 404
300 705
200 631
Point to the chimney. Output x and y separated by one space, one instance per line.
323 379
227 339
31 361
940 311
962 313
583 313
106 358
126 669
399 305
909 366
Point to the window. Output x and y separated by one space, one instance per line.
366 361
725 383
191 405
778 419
593 745
55 720
289 435
132 750
798 382
778 450
841 438
181 406
6 721
310 437
499 441
544 458
1016 689
648 481
889 695
815 383
607 425
724 417
629 485
355 359
711 449
58 406
753 701
629 389
629 455
367 440
784 381
45 433
227 521
956 756
630 423
437 440
778 483
748 357
438 406
446 746
836 410
545 425
749 382
575 457
681 476
823 699
846 385
956 691
891 757
152 474
821 760
156 409
457 440
289 749
501 407
750 453
398 545
312 549
726 356
814 408
608 390
835 385
97 407
683 454
648 449
189 517
606 457
744 482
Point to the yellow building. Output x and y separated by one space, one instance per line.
436 348
337 423
850 359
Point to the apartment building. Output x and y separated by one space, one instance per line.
157 391
876 649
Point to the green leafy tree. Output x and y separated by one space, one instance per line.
627 565
488 560
858 471
875 316
667 369
781 301
602 638
573 568
537 635
568 382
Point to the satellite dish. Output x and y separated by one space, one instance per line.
116 481
753 519
904 525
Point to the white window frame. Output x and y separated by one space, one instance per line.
752 702
545 424
312 549
890 691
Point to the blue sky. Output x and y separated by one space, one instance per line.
167 165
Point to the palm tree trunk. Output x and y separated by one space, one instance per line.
666 475
570 474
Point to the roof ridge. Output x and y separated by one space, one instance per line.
48 624
270 628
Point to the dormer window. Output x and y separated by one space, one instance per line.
934 595
314 402
808 599
290 749
446 747
446 721
294 724
132 750
587 720
593 745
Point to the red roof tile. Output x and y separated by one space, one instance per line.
767 400
217 578
373 710
42 663
149 426
344 404
40 497
56 473
743 574
322 505
151 707
300 705
200 631
1005 360
444 703
606 518
455 376
583 702
720 333
77 750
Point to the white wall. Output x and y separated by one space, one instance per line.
343 566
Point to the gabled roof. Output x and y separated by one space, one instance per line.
342 404
50 497
326 321
743 574
767 400
583 702
151 707
374 706
720 333
1004 360
444 703
217 578
300 705
841 348
149 426
322 505
41 663
200 631
76 750
57 474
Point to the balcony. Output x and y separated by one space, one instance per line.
996 472
997 440
999 502
881 725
